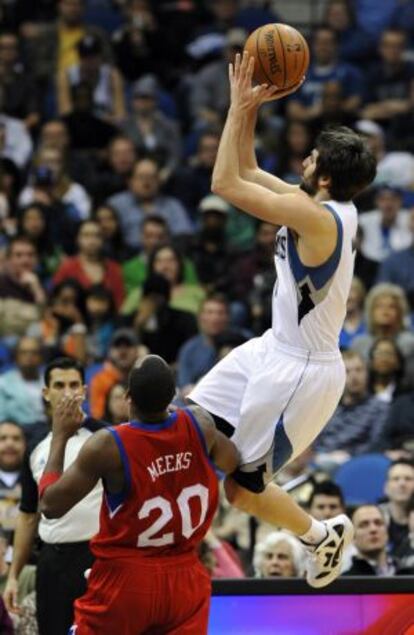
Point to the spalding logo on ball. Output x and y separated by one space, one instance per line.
281 55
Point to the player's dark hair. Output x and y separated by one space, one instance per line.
63 363
326 488
151 386
344 157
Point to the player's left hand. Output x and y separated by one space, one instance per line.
243 95
68 415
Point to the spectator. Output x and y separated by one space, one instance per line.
103 79
53 46
116 407
26 583
161 328
295 145
15 141
398 267
153 233
371 538
64 555
279 555
326 501
100 320
358 419
390 90
386 228
397 438
354 323
19 93
113 176
72 195
124 351
152 132
210 249
394 168
306 104
387 311
139 45
114 246
199 354
192 182
90 266
209 96
21 387
404 554
167 261
12 449
365 268
354 44
21 294
144 198
399 489
333 110
386 369
34 224
88 131
62 329
225 562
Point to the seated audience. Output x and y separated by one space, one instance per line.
279 555
386 369
326 501
354 323
399 489
116 407
12 449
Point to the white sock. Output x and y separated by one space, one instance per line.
315 534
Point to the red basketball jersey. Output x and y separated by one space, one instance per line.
171 491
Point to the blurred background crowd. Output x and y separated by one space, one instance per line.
112 246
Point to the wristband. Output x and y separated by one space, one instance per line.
47 478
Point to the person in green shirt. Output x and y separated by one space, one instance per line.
154 232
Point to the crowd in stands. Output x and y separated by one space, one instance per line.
112 246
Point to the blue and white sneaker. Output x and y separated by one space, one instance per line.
325 560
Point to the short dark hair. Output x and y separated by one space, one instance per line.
11 422
156 219
63 363
326 488
151 385
20 239
344 157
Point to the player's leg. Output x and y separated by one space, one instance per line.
191 603
309 407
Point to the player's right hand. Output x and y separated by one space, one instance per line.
10 596
243 95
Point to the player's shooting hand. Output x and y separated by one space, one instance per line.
243 95
68 415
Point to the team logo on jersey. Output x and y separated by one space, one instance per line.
280 247
309 296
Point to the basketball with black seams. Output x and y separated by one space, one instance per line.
281 55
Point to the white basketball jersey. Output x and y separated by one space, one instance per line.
309 303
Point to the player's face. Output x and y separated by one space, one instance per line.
324 507
12 447
278 561
63 383
309 182
371 534
400 483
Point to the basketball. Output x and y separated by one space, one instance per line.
281 55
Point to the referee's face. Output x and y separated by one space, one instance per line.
63 383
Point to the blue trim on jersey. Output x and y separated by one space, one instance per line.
155 427
282 449
322 273
115 500
200 436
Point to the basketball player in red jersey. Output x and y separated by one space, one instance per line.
160 495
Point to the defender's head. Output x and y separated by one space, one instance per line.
341 164
151 387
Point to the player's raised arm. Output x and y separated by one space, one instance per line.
295 210
222 451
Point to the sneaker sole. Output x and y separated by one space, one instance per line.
346 541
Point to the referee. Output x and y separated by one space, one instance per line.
64 555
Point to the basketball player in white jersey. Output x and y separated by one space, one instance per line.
274 394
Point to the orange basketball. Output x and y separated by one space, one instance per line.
281 55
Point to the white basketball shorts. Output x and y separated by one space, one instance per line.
276 397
